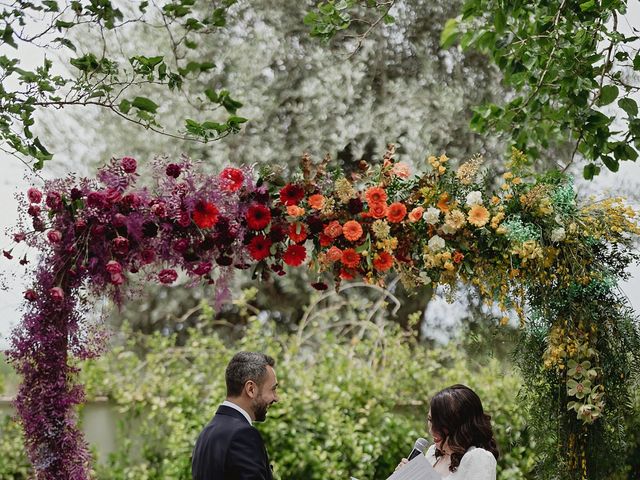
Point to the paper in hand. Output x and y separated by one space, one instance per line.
417 469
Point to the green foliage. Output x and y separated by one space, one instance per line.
565 61
104 76
13 461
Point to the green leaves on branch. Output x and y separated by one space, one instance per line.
103 79
569 68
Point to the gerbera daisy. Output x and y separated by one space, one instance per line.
350 258
231 179
378 210
396 212
259 247
375 195
478 216
291 194
294 255
297 232
205 214
352 230
258 216
333 229
383 261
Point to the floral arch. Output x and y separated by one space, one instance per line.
527 246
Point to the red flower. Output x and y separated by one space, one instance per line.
259 247
167 276
231 179
31 295
258 217
294 255
297 237
120 246
396 212
113 267
291 194
128 164
325 240
54 236
205 214
147 256
350 258
57 294
35 195
383 261
202 268
173 170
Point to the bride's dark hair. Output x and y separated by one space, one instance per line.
457 416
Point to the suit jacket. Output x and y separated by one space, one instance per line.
229 448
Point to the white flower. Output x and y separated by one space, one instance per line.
474 198
558 234
448 229
436 243
431 216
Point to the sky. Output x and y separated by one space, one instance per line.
13 181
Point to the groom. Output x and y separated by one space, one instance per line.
229 447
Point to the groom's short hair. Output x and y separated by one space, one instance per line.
245 366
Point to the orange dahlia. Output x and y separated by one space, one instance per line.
375 195
316 201
350 258
352 230
383 261
333 229
334 254
396 212
478 216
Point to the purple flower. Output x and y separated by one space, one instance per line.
76 194
202 268
54 236
173 170
129 164
181 245
147 256
167 276
34 210
56 294
34 195
120 246
54 200
159 209
119 220
96 200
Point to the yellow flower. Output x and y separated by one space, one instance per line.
478 216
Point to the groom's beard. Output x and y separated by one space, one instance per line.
260 410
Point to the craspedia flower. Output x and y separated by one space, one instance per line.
381 229
205 214
344 190
297 232
352 230
350 258
259 247
396 212
383 261
375 195
231 179
294 255
478 216
258 217
291 194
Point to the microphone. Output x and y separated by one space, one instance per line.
418 448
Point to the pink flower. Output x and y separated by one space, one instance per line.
31 295
401 170
54 236
167 276
159 209
96 199
120 246
54 200
113 267
57 294
34 210
129 164
112 195
34 195
19 237
119 220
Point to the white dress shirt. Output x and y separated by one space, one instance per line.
227 403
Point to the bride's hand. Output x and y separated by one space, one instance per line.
404 461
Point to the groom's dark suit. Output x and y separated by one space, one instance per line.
229 448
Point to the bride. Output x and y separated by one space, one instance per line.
464 447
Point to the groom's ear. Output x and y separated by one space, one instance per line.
251 389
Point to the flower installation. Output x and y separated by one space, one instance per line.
525 244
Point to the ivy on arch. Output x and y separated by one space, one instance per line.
526 244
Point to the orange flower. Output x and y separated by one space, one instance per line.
333 229
295 211
458 256
378 210
325 240
334 254
383 261
443 203
415 215
345 275
352 230
316 201
478 216
396 212
375 195
297 232
350 258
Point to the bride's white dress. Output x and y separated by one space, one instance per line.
476 464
